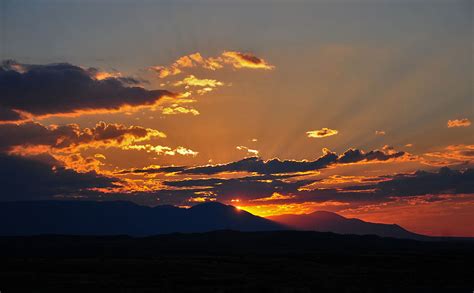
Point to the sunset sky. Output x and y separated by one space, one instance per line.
364 108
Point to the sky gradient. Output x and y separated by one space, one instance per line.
359 107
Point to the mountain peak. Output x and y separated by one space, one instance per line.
210 204
325 221
116 218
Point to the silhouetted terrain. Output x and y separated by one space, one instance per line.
323 221
227 261
123 217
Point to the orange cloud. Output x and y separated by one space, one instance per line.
28 136
250 151
274 209
101 75
379 132
459 123
237 60
163 150
100 156
450 155
275 196
192 80
324 132
79 163
175 109
245 60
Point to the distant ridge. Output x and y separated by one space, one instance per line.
123 218
324 221
24 218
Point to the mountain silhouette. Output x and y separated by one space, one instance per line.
123 218
324 221
127 218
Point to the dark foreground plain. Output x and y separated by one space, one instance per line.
229 261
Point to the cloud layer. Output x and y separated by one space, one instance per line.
277 166
63 89
29 135
43 177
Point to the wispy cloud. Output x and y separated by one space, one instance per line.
459 123
163 150
460 154
248 150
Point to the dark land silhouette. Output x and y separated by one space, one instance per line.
123 218
59 246
323 221
127 218
230 261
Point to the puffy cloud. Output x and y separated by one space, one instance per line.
64 89
25 136
192 80
355 155
234 59
459 123
324 132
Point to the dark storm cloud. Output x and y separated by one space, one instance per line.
23 178
445 181
64 88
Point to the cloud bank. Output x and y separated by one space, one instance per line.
64 89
